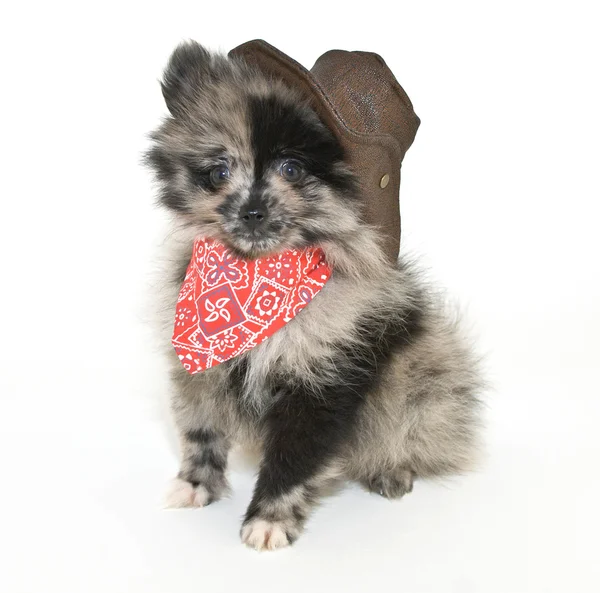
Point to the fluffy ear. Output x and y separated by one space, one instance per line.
188 70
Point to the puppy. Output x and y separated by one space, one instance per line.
370 382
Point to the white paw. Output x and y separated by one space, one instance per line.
264 535
182 494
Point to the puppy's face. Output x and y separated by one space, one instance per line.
244 160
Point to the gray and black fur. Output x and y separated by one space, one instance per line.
371 382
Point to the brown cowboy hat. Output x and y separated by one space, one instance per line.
359 99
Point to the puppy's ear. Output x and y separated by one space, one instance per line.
188 71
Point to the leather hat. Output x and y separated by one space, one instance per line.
356 95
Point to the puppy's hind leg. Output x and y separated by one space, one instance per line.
390 484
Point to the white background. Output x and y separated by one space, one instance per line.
500 198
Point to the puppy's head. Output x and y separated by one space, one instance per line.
245 160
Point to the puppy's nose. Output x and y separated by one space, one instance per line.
252 216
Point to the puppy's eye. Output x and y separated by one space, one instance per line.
219 175
291 170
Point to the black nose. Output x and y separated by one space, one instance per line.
253 217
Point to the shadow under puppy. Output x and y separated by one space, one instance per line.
370 382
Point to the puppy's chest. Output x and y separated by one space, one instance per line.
295 357
255 379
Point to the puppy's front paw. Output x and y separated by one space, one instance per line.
182 494
265 535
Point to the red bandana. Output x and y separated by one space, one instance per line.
227 305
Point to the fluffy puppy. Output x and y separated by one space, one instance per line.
371 382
